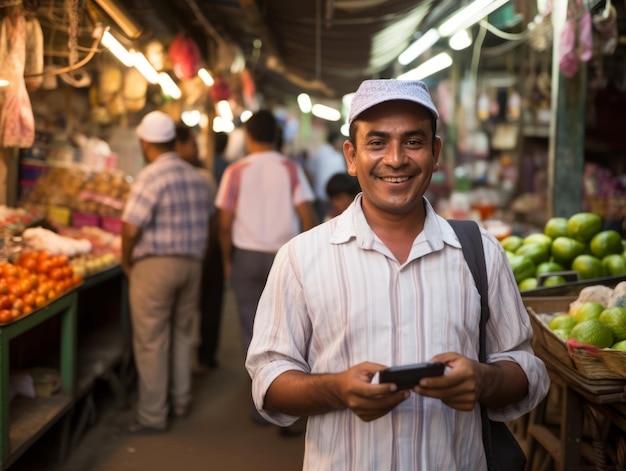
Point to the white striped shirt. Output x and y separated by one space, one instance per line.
336 296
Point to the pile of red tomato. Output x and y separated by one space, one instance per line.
32 281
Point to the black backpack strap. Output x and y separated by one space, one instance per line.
469 236
471 241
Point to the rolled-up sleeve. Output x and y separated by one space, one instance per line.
281 334
509 333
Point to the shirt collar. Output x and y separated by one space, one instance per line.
167 155
351 224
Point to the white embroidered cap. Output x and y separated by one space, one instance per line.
374 92
156 127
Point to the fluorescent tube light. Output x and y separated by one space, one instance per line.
326 112
304 102
460 40
127 23
346 100
142 65
168 85
423 44
119 51
431 66
468 16
206 77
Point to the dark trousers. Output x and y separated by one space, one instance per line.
249 275
211 301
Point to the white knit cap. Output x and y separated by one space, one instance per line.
156 127
374 92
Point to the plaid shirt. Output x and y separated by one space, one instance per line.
170 202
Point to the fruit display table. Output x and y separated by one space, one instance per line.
27 421
93 344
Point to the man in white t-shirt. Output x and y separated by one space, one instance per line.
264 200
325 162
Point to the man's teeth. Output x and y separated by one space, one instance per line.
395 179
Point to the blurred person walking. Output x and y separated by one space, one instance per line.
264 200
325 162
211 300
164 235
341 190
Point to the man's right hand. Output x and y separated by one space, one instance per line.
368 401
302 394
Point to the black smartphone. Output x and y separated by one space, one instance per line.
408 376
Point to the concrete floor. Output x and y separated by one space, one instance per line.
217 435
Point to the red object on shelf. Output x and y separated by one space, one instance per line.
85 219
112 225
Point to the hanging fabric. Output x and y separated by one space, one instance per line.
576 39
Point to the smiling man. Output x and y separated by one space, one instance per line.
386 284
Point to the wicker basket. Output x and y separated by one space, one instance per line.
611 208
604 364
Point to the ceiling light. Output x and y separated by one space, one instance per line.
423 43
206 77
4 83
117 13
326 112
460 40
222 125
245 115
346 100
468 16
431 66
304 102
191 118
168 85
224 110
142 65
115 48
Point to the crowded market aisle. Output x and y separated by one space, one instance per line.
217 434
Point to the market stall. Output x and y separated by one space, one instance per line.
582 422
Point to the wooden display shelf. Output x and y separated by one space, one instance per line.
65 307
30 418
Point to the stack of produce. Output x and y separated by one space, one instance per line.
16 219
89 249
42 239
35 279
597 317
99 193
577 244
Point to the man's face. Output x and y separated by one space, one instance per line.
393 157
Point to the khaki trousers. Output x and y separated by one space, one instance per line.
163 293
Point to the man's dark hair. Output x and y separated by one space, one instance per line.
342 183
332 136
220 142
183 132
165 146
263 127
